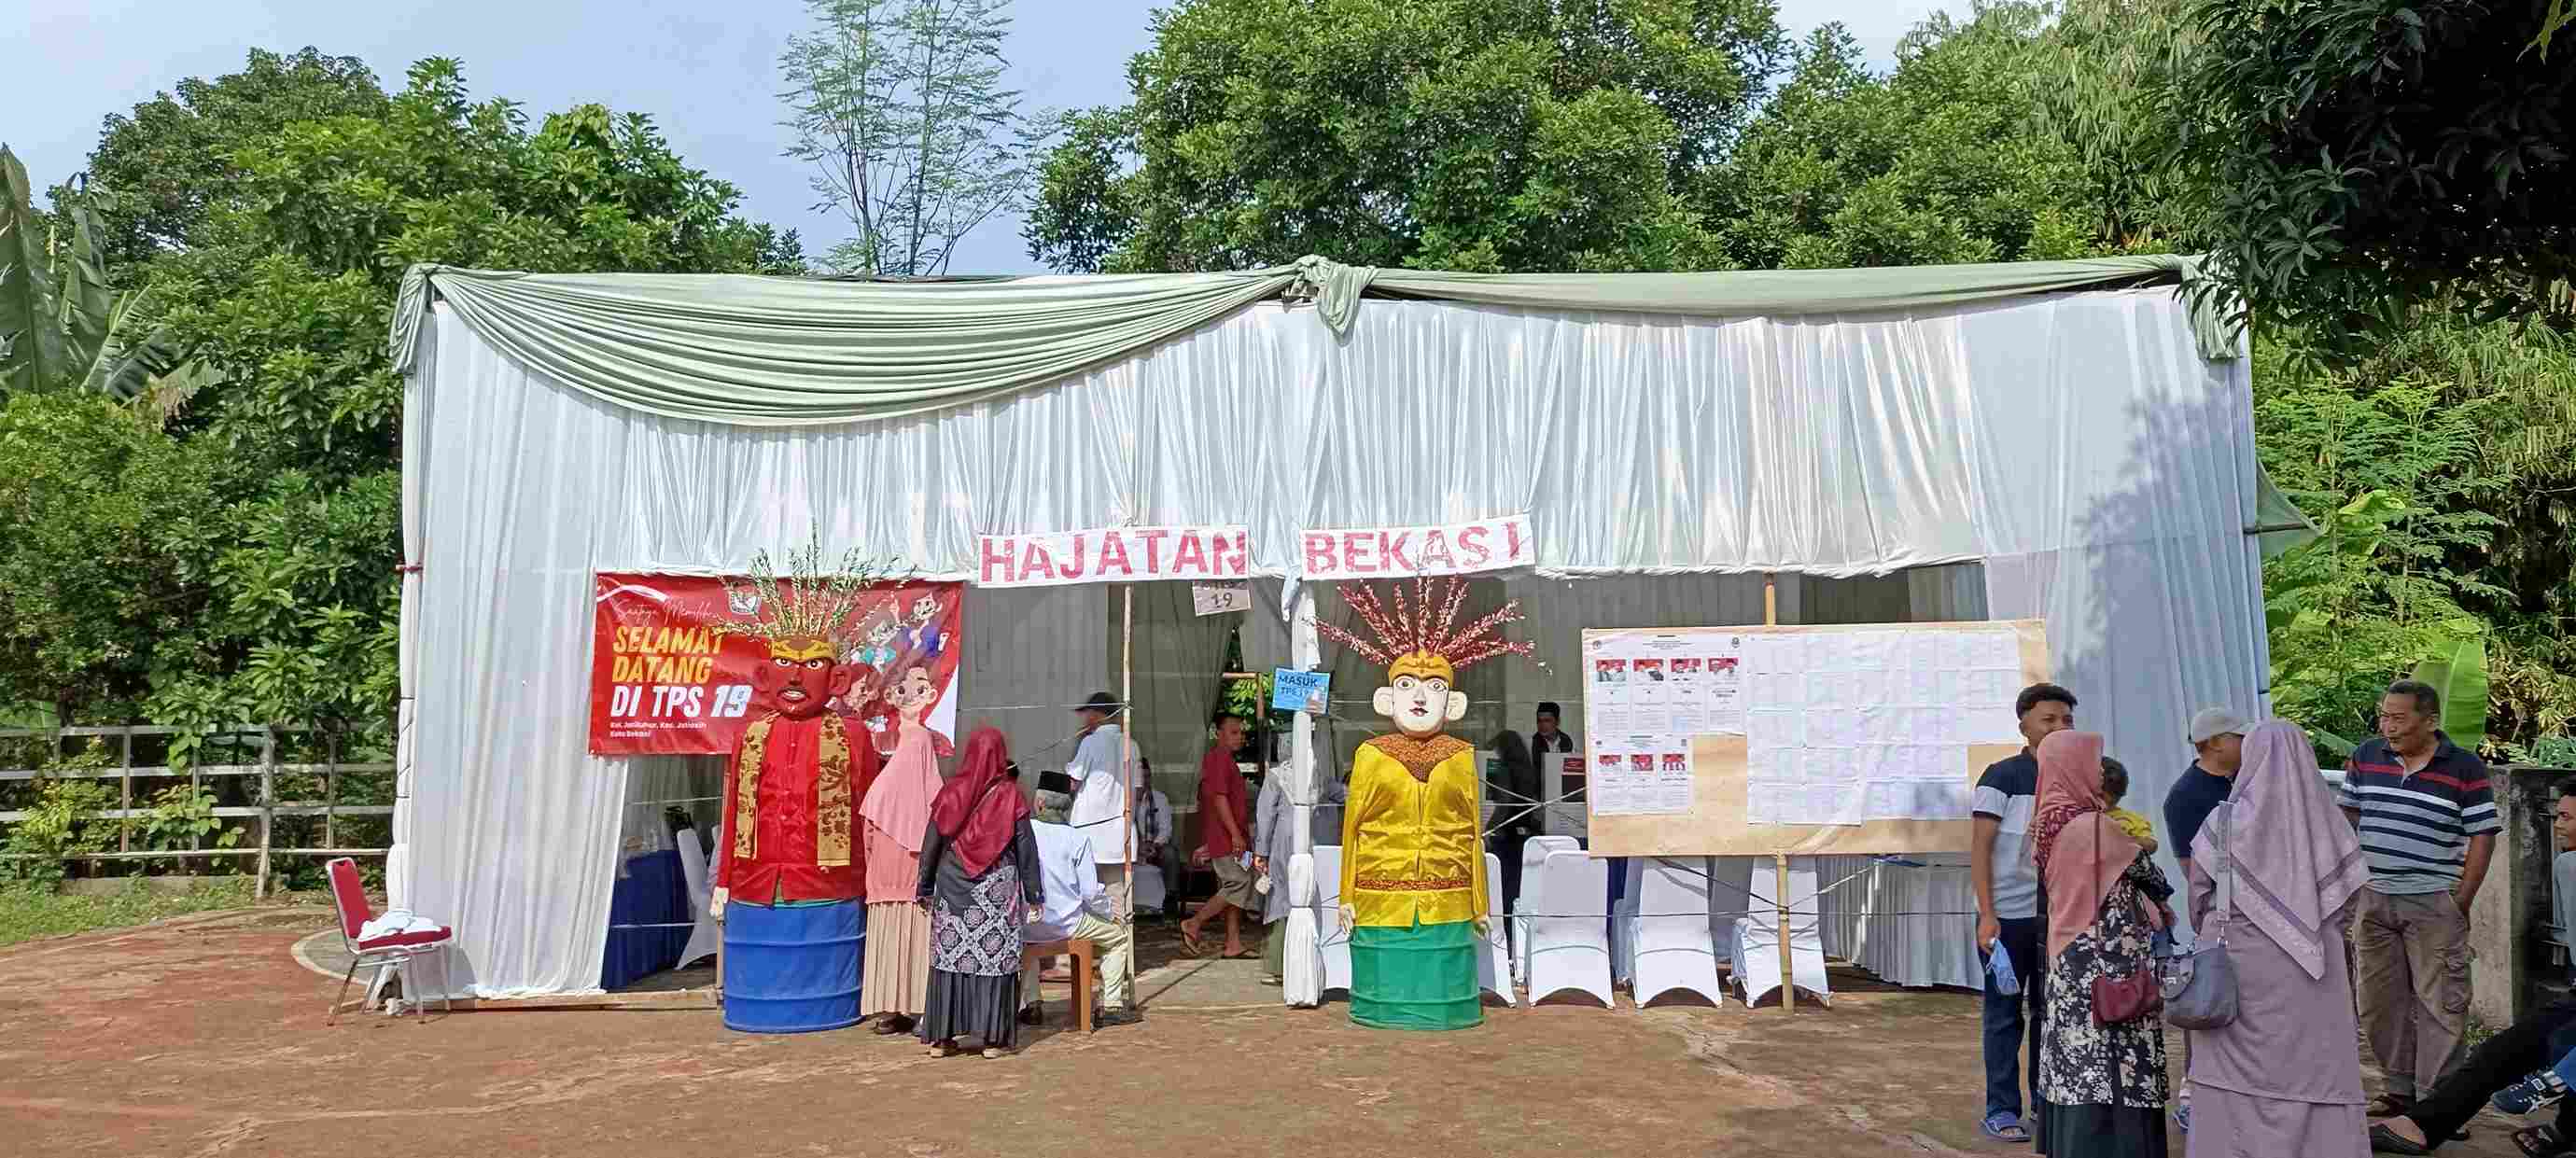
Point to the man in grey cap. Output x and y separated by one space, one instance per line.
2218 742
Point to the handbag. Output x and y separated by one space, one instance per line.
2200 987
2120 998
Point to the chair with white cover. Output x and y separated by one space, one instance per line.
1730 887
705 935
1533 858
1301 962
1569 931
1676 948
1330 934
1623 923
387 942
1150 887
1494 965
1757 937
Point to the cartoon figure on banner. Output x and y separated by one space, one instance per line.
789 867
879 653
1413 863
910 700
922 639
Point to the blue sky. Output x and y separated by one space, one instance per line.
706 73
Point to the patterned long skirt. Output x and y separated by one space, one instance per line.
975 962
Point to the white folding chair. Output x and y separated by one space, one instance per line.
1676 949
1330 934
1494 965
1757 953
1569 933
1533 859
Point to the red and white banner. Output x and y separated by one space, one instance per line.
1393 552
664 683
1112 555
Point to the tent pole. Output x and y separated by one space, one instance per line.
1127 761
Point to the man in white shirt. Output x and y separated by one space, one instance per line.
1076 904
1098 772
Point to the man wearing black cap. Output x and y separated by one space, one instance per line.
1098 770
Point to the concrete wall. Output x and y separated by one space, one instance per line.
2514 967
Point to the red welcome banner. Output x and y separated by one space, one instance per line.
664 682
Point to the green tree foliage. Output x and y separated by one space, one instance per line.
2440 466
168 164
1459 134
238 563
1936 162
900 108
96 512
2370 156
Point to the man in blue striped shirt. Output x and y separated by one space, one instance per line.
2427 820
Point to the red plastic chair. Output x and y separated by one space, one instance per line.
349 896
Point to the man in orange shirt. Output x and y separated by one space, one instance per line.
1224 843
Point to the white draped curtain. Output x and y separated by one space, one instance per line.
2076 444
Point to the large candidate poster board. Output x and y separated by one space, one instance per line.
1810 740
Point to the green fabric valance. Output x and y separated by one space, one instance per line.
783 351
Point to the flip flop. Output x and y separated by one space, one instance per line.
1191 945
2005 1128
2540 1142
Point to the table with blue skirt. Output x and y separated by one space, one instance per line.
650 891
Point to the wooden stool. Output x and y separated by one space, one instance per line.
1078 948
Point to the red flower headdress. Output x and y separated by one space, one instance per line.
1413 639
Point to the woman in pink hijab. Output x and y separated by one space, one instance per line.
2272 874
895 979
2104 1084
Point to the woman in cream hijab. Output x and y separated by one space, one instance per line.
2272 875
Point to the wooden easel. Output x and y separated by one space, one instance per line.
1780 860
1127 761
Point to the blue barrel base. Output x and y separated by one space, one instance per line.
792 968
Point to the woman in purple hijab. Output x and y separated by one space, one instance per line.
2272 874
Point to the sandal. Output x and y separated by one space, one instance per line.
2389 1106
2540 1142
2005 1128
2386 1141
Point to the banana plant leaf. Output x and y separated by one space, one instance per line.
2332 743
33 349
84 301
2459 673
138 352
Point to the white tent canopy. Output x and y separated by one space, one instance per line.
2075 445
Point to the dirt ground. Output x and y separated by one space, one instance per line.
204 1037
